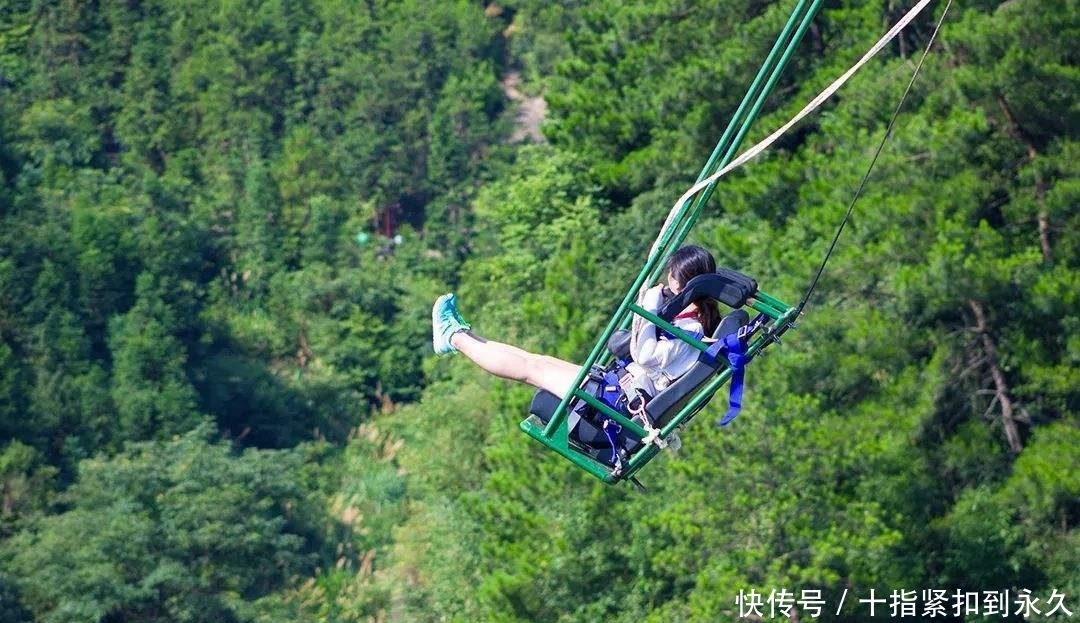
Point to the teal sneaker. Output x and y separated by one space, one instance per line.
445 322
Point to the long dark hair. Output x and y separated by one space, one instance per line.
688 262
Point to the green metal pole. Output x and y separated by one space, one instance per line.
713 164
775 72
744 116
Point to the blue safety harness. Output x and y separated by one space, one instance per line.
736 356
610 392
733 347
603 384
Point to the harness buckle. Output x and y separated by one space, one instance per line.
636 406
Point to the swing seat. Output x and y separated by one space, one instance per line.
620 450
585 434
586 427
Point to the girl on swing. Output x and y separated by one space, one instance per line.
657 358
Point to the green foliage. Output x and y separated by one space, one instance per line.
12 395
166 532
68 403
647 90
27 485
153 397
231 221
1030 538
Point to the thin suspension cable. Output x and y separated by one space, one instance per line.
873 161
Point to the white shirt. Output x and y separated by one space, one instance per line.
658 359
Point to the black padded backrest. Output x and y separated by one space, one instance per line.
666 403
728 286
725 285
619 344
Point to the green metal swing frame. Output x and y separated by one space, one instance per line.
555 433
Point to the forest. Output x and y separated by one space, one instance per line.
223 225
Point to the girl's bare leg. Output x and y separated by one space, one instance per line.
510 362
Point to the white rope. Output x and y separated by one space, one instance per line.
653 436
765 144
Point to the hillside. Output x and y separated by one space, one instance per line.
222 227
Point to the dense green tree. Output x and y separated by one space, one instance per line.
26 480
169 531
154 397
645 93
258 228
312 211
147 126
12 394
68 410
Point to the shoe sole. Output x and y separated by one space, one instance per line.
435 338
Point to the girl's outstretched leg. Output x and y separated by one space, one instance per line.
510 362
452 334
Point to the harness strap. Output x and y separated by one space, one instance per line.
665 335
611 431
736 356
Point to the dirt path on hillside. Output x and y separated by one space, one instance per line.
530 113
